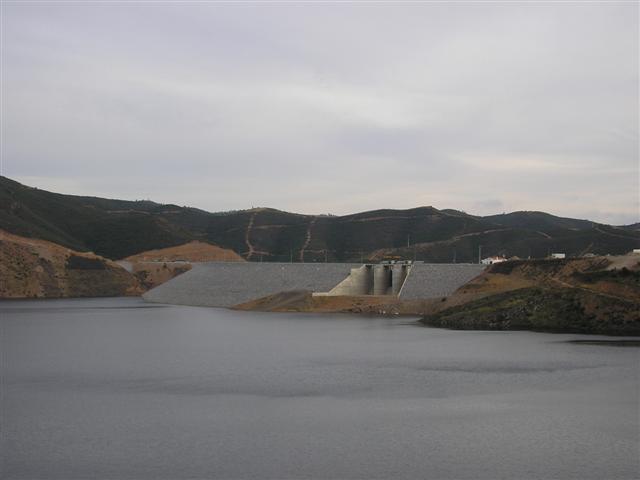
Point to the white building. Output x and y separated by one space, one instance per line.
558 255
492 260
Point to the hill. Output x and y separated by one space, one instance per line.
32 268
193 251
589 295
111 228
541 221
117 229
155 267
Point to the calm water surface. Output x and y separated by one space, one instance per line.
118 389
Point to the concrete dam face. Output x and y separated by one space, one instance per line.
384 279
218 284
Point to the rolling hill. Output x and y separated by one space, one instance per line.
117 229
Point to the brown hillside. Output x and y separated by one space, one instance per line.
605 276
189 252
32 268
586 295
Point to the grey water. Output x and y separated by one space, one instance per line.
121 389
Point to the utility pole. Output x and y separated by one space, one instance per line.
291 256
454 255
479 253
408 240
325 255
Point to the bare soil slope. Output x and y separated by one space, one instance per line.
195 251
303 301
31 268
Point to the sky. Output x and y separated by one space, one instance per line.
327 107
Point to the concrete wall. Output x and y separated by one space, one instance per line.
359 282
381 279
433 280
399 275
218 284
371 280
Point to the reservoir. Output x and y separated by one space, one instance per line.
122 389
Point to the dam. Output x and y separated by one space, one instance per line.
372 279
225 284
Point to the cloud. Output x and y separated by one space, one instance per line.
328 107
488 206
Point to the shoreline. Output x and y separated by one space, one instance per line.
420 318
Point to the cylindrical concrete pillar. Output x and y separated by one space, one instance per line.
399 274
361 282
381 279
368 272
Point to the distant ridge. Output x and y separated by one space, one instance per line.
118 228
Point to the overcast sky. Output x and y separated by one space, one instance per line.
318 108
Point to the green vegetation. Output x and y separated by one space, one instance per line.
622 276
111 228
559 309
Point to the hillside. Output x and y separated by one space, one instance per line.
590 295
32 268
540 221
193 251
117 229
155 267
111 228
